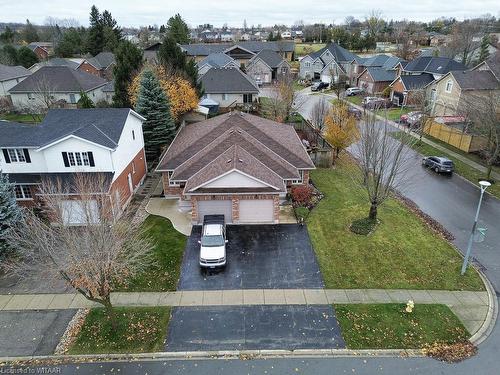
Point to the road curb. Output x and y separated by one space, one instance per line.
220 354
492 315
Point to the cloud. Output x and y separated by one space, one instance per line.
233 12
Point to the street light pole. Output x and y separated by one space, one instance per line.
484 185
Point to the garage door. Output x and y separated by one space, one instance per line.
75 212
214 208
256 211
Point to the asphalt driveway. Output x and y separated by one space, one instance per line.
258 257
253 327
26 333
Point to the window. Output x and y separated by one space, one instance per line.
449 86
23 192
170 182
72 98
31 96
433 95
247 98
78 159
16 155
224 96
133 135
308 64
299 180
284 69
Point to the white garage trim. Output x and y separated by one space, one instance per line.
215 207
256 211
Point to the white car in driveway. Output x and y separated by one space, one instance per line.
351 91
213 242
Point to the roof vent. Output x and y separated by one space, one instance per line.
229 161
240 160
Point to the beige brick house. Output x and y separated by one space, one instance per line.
235 164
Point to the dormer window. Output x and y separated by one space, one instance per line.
78 159
16 155
449 86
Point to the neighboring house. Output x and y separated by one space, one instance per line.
198 51
474 55
403 88
327 64
229 87
450 95
11 76
267 66
55 85
70 141
437 66
374 80
151 52
235 164
100 65
216 60
109 90
55 61
42 49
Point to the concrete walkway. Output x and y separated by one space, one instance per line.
470 307
169 208
455 155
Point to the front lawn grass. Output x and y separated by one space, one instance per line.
356 99
402 253
139 330
168 249
393 114
463 169
388 326
302 49
21 117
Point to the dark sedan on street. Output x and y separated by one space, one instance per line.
438 164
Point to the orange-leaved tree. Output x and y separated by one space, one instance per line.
181 94
341 129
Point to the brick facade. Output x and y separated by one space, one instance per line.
103 73
170 190
137 169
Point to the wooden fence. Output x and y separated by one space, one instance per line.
455 137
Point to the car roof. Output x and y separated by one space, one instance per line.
212 230
442 159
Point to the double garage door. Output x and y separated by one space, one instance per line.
251 210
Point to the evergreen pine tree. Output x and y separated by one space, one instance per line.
10 213
128 61
484 53
178 30
85 101
153 104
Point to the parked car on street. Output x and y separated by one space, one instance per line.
438 163
213 242
372 102
354 112
352 91
317 86
412 119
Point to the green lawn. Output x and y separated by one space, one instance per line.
168 250
19 117
463 169
139 330
357 99
402 253
393 114
388 326
302 49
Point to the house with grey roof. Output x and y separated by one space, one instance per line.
55 86
216 60
56 61
100 65
240 50
451 94
267 66
11 76
235 164
229 87
405 87
374 80
105 141
42 49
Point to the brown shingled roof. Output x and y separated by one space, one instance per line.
263 149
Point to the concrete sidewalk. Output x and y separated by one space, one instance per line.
470 306
455 155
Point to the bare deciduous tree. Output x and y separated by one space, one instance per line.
93 258
462 40
484 112
283 100
319 112
383 161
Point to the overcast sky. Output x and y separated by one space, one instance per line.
233 12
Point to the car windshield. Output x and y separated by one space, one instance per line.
448 163
212 241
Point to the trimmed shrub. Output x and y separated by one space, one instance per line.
301 195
